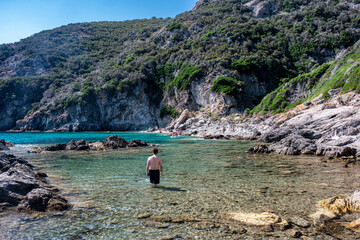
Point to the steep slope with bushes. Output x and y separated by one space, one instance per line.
224 56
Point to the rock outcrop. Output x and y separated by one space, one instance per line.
5 145
22 188
111 142
337 207
308 128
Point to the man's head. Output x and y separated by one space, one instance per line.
155 151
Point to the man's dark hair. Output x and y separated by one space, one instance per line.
155 151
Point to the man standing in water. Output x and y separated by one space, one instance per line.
152 167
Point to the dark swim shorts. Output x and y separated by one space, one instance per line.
154 176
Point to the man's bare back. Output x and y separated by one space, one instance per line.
154 162
152 167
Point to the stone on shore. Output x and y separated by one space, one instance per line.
260 149
115 142
137 143
336 207
57 147
97 146
354 225
258 219
294 145
335 151
4 145
22 188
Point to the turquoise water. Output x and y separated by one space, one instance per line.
203 180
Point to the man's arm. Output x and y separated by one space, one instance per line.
161 168
147 168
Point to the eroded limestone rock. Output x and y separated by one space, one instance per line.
336 207
258 219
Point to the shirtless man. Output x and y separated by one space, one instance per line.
152 167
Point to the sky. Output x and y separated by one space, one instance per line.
22 18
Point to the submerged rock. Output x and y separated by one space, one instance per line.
21 187
260 149
258 219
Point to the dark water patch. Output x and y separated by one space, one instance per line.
172 189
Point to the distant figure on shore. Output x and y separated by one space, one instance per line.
152 167
223 129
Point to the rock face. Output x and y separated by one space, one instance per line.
308 128
111 142
93 94
21 187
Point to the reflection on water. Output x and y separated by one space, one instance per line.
202 179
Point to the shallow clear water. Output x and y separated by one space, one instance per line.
202 179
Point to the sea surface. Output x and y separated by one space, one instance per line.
203 180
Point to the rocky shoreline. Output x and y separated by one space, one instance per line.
24 189
318 127
111 142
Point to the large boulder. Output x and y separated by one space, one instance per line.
97 146
137 143
115 142
71 145
184 115
3 145
336 207
335 151
260 149
37 199
21 187
82 145
57 147
294 145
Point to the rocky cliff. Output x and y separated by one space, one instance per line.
222 57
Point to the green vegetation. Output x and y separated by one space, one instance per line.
174 25
70 101
167 110
186 75
208 35
36 106
245 65
319 81
129 60
226 85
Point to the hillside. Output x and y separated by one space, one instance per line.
222 57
